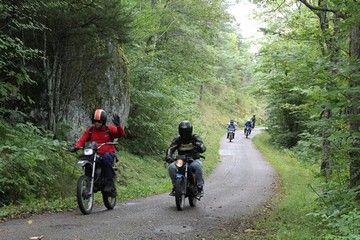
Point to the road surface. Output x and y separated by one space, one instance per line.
240 184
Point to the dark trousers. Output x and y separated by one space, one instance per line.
107 162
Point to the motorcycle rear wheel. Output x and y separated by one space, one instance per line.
180 193
109 201
84 199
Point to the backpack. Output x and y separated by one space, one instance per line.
107 131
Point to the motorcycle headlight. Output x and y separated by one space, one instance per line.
88 151
179 163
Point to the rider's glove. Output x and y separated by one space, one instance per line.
169 159
73 149
198 145
116 120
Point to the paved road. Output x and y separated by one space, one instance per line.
241 182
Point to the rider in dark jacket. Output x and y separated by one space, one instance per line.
253 120
190 145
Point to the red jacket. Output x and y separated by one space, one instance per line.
101 136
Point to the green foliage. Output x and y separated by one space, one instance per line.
15 53
309 79
32 165
173 58
303 211
338 212
183 55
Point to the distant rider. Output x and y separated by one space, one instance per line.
231 126
253 120
101 133
248 124
190 145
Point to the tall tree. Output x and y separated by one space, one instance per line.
335 66
172 59
17 18
347 12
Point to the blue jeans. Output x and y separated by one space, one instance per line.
195 167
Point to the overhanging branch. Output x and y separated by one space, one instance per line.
315 8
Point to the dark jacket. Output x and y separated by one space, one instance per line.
190 149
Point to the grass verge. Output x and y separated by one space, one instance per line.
287 216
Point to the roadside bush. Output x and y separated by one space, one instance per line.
32 165
338 212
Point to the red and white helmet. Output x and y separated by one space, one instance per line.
99 116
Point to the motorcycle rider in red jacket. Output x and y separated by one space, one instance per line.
100 133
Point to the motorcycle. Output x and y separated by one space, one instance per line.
92 179
231 134
247 131
185 186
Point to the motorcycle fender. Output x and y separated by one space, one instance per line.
82 163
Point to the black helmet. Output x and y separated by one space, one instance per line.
231 121
99 115
185 130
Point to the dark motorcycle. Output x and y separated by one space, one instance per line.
92 179
185 186
247 132
231 134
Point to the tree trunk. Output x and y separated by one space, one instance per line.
326 163
52 75
354 98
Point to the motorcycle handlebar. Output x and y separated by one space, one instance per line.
106 143
188 158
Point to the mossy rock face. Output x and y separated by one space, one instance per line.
104 83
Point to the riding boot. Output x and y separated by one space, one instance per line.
110 187
172 193
200 191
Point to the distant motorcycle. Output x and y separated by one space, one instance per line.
231 134
92 179
247 131
185 186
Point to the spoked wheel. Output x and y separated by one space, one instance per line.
84 198
180 193
109 201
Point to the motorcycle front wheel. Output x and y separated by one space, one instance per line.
192 200
84 198
180 193
109 201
